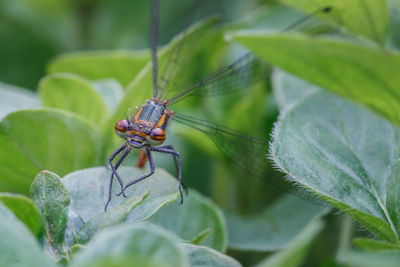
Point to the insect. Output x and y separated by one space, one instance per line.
146 130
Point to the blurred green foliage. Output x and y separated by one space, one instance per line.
70 69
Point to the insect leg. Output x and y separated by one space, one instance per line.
126 152
114 170
152 170
175 157
170 150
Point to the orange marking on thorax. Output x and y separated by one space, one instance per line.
160 121
138 114
134 132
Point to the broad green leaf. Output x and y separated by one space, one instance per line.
366 18
25 210
17 245
109 218
296 251
200 256
13 98
111 91
88 190
370 259
52 199
44 139
365 74
273 228
131 245
374 245
289 89
195 216
346 155
73 93
122 65
141 88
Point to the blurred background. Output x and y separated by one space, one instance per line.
35 31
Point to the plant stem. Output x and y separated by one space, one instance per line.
345 235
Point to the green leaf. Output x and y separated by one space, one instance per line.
199 238
131 245
296 251
374 245
88 190
122 65
346 155
365 74
25 210
13 98
44 139
366 18
200 256
52 199
109 218
17 245
196 215
73 93
111 91
370 259
273 228
289 89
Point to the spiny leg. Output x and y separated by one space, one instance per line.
113 155
170 150
175 157
114 168
126 152
152 170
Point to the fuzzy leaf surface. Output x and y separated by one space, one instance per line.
194 216
365 18
274 228
13 98
201 256
52 199
89 192
131 245
50 139
73 93
363 73
17 245
25 210
121 65
295 253
346 155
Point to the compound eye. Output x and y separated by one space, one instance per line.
157 134
122 128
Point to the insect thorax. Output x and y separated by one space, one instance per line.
149 123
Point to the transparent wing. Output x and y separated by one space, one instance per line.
177 57
236 145
237 76
248 153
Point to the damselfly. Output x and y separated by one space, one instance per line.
145 130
